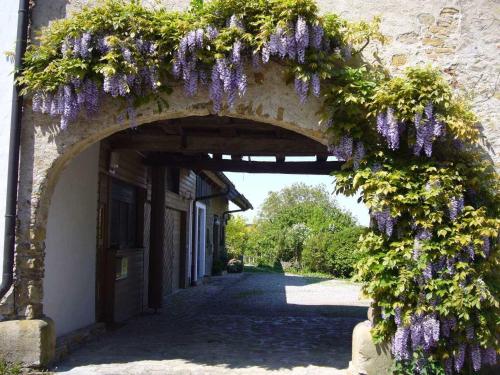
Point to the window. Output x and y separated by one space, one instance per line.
121 268
123 215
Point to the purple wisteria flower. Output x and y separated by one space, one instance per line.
343 150
302 88
486 246
85 45
475 355
385 222
400 344
315 85
116 85
317 33
301 38
103 45
416 331
469 249
428 272
398 319
127 55
235 22
489 356
389 128
455 206
448 366
216 92
430 326
427 130
447 325
211 32
470 332
460 357
359 154
266 53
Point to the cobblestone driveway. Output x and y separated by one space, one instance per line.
254 323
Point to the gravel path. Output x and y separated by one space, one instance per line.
253 323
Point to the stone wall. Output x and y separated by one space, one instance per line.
460 36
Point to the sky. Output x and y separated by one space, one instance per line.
257 186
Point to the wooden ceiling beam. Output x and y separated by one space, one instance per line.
216 145
206 164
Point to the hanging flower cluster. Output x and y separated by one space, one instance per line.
425 320
134 64
80 94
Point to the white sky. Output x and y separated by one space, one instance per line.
256 187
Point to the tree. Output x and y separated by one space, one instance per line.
237 234
297 216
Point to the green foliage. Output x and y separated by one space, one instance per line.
333 252
302 225
237 236
9 368
418 366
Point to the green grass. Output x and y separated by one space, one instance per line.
317 275
9 368
262 269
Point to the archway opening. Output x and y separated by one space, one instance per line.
156 205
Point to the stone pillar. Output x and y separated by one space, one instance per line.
368 358
30 342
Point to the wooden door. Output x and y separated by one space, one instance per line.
172 254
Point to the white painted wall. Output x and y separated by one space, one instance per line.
8 20
70 259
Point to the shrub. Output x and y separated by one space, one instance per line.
335 253
218 266
235 266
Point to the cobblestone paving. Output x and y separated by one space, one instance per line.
239 324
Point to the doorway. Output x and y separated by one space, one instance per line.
200 241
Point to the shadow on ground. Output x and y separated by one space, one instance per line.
257 321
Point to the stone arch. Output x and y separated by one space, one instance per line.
47 150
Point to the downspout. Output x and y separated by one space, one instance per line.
14 146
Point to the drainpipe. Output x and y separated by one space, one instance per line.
227 213
14 145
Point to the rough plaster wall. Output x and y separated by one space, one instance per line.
70 253
459 36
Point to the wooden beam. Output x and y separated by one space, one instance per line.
198 163
217 145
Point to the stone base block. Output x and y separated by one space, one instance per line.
29 342
368 358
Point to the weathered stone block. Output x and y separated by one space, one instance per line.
368 358
433 42
30 342
399 60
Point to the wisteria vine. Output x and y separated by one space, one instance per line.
408 144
